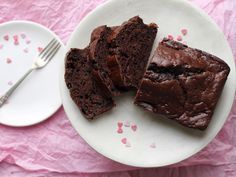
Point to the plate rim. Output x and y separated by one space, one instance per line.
196 150
63 47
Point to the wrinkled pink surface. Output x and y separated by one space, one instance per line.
53 148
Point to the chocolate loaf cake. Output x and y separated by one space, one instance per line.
99 51
89 94
183 84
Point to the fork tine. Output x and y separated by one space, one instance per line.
52 52
45 50
49 49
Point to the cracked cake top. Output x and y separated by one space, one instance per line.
183 83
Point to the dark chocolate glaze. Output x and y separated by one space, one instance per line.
183 83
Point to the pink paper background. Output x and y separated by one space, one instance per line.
53 148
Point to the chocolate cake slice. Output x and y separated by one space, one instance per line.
89 94
99 51
111 58
183 84
130 47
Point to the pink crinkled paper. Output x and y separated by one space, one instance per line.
53 148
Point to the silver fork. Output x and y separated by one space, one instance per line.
41 60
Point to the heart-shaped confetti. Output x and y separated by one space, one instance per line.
153 145
8 60
170 37
184 32
22 35
134 127
40 49
6 37
15 38
127 124
120 124
119 130
179 38
1 46
26 50
124 140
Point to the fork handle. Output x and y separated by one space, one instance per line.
4 97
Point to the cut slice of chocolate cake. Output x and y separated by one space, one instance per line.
111 58
89 94
99 51
130 48
183 84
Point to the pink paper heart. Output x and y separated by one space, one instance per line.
119 130
23 36
134 127
40 49
15 38
26 50
120 124
184 32
1 46
127 124
6 38
153 145
124 140
179 38
9 61
170 37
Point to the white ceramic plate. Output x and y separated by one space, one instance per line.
38 97
156 141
